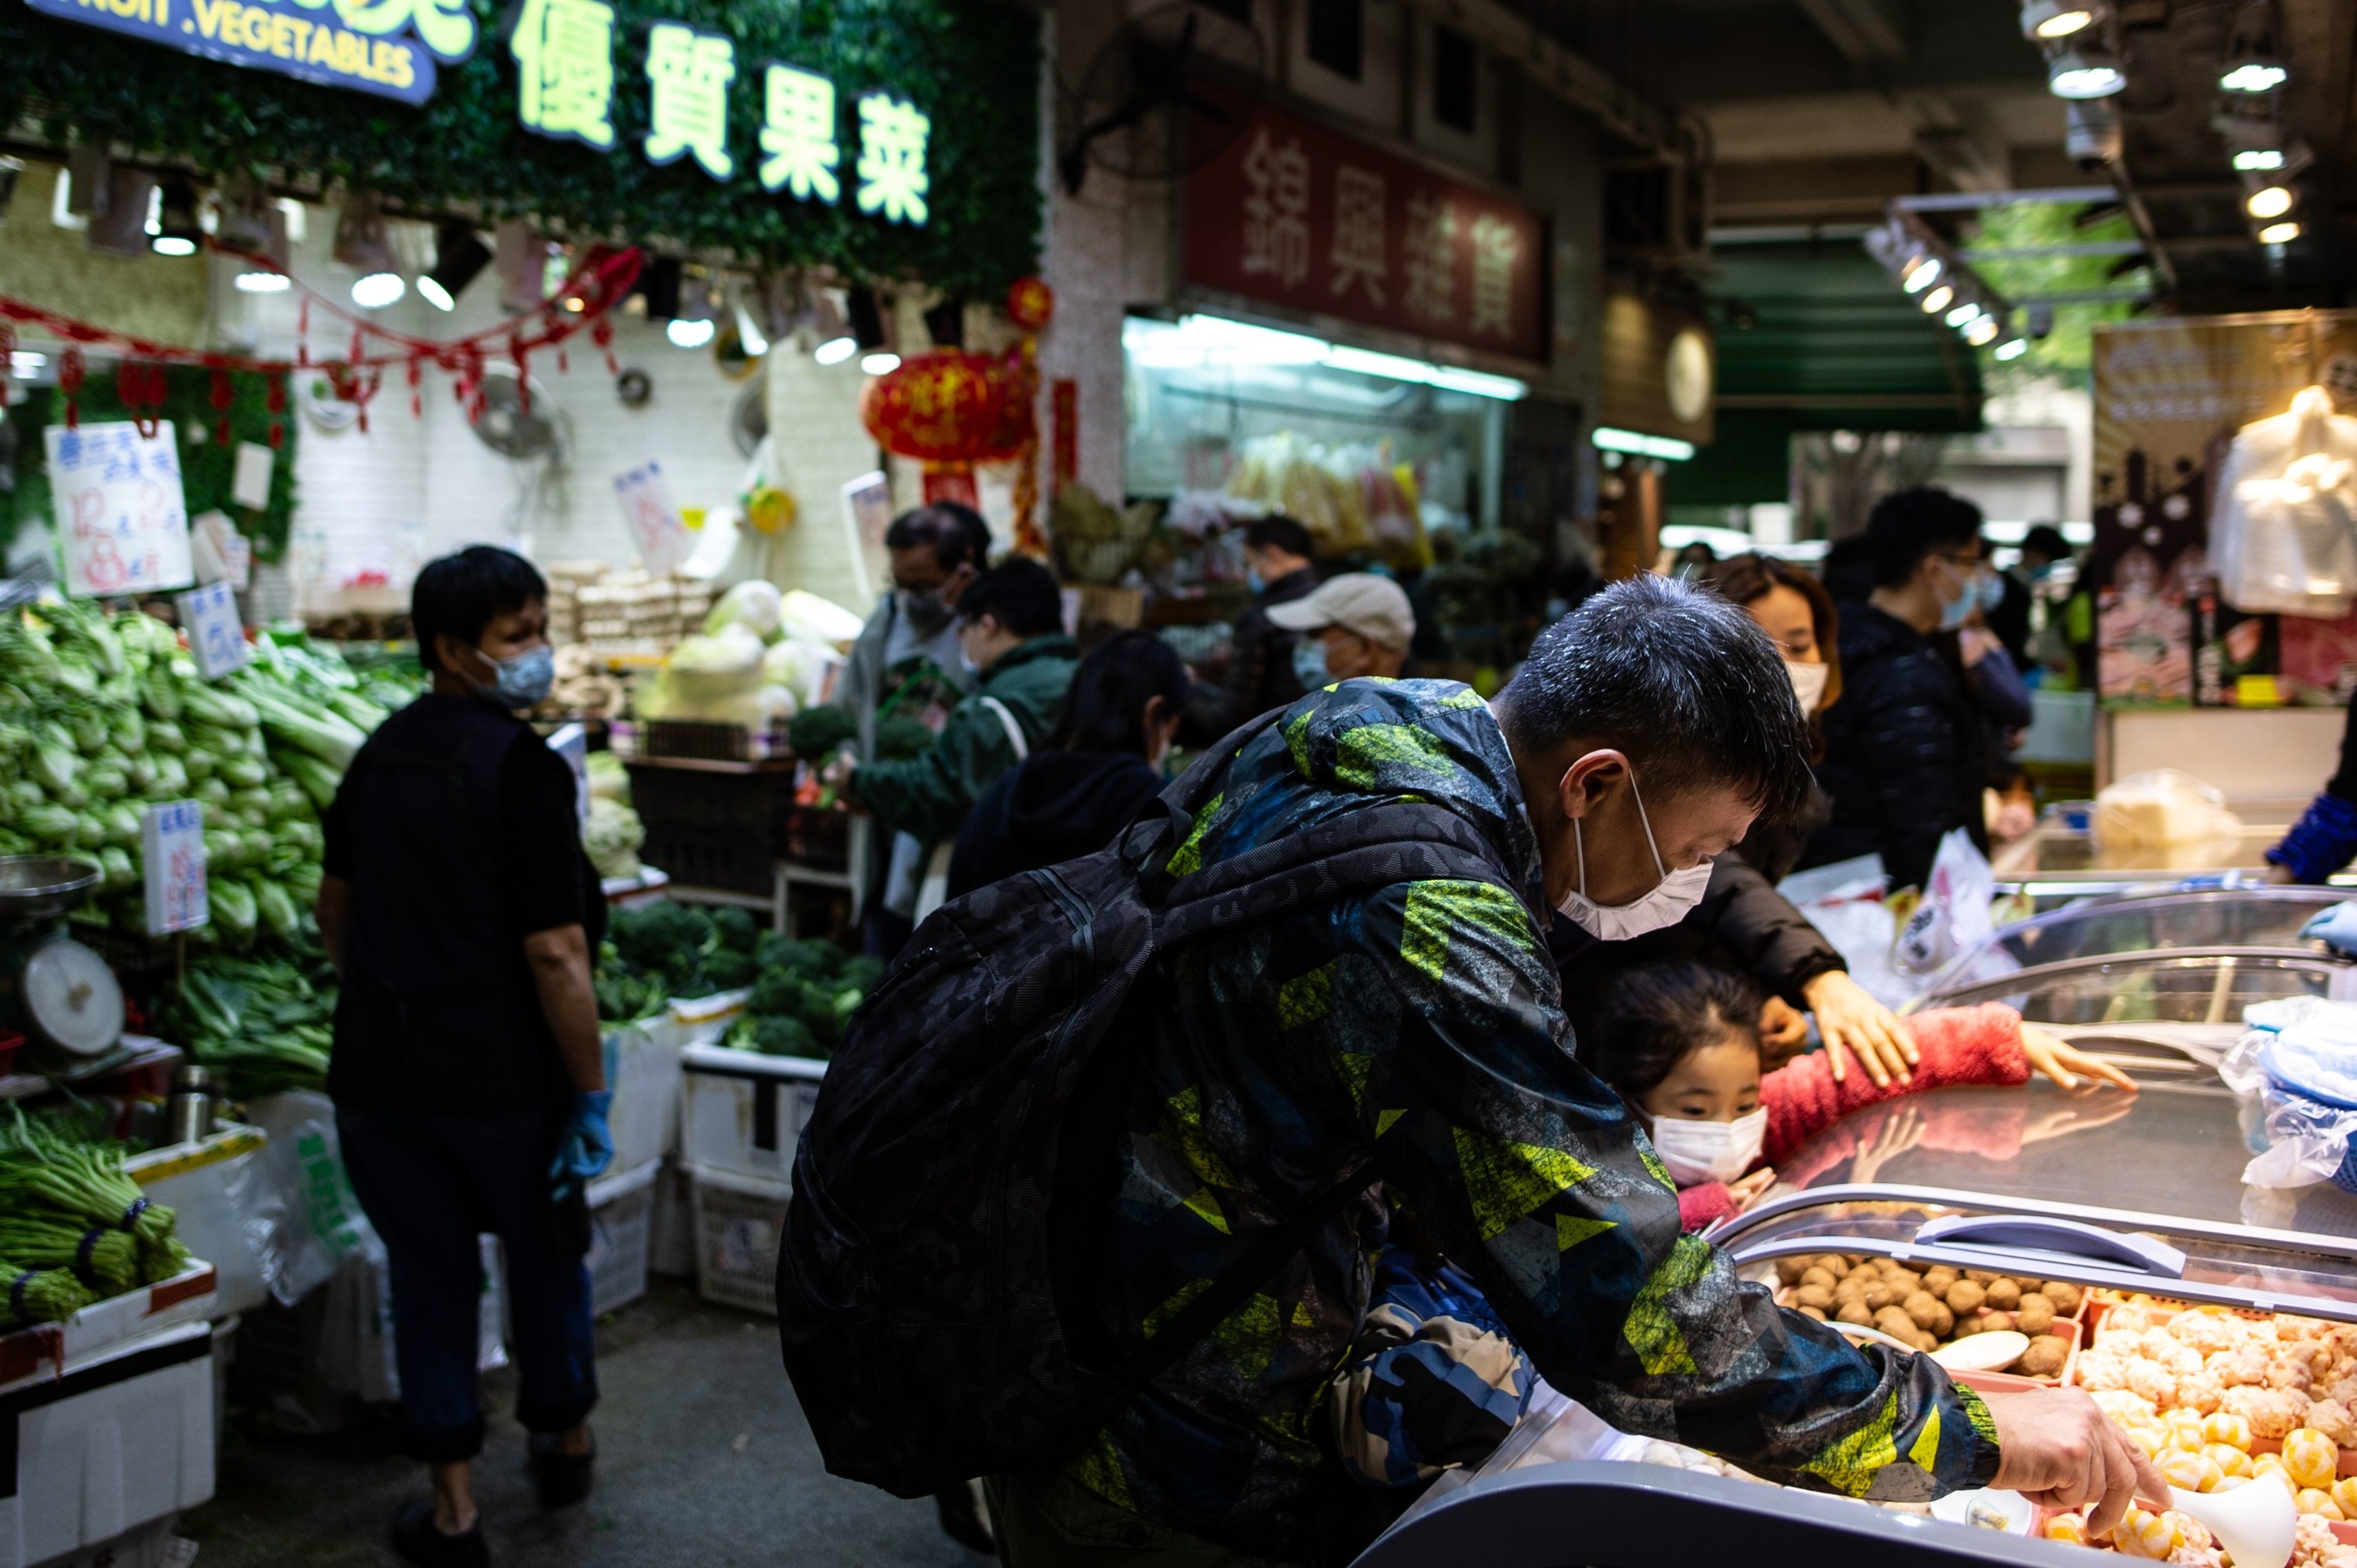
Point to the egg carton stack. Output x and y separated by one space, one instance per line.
565 581
695 603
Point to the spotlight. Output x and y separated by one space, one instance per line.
2090 130
2084 70
1922 273
459 257
2279 233
2011 349
374 291
1937 300
1962 315
2259 160
749 333
2044 19
2269 201
835 350
1983 330
262 283
2253 61
174 231
686 332
880 364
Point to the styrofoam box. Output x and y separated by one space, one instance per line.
124 1437
206 1184
45 1352
743 1112
740 1221
642 1069
702 1020
621 1227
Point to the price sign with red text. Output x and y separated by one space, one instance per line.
121 522
172 846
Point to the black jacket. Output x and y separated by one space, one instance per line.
1742 924
1905 750
1260 667
1058 806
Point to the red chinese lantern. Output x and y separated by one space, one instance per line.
949 406
1030 303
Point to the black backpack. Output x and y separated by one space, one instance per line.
936 1298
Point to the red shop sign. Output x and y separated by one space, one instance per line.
1298 215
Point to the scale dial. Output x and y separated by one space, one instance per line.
72 999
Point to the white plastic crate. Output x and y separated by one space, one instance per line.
123 1438
739 1222
642 1069
743 1112
621 1227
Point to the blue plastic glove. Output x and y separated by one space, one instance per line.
2335 927
587 1147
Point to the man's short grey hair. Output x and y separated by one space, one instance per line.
1683 682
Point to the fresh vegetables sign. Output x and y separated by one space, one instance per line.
121 522
385 47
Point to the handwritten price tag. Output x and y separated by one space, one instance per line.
121 520
655 524
172 842
216 638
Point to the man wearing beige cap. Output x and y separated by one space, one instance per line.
1356 624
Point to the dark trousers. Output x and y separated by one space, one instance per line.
431 1184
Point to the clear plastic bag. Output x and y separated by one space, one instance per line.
2284 537
2297 1066
2163 818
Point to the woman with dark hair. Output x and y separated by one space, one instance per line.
1102 764
468 1072
1743 924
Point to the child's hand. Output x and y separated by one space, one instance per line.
1748 1191
2057 1059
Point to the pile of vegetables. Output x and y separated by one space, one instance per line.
805 993
612 834
265 1025
73 1227
101 716
662 950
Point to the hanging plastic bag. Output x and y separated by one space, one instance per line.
2285 535
1953 917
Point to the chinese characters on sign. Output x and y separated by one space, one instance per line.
1294 214
216 638
370 46
115 494
565 59
172 849
564 66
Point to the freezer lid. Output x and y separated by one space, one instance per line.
1617 1515
2205 985
2206 918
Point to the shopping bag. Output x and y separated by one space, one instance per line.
2284 536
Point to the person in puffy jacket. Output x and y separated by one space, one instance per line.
2324 840
1905 748
1099 767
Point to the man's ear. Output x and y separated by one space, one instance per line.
1588 779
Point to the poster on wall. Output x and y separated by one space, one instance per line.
122 520
655 524
2171 396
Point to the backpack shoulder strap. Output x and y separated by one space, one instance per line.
1007 720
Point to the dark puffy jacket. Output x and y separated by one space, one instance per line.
1260 667
1058 806
1904 750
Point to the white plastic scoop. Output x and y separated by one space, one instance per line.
2255 1522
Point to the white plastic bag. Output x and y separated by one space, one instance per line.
320 1225
1953 917
2285 535
2297 1068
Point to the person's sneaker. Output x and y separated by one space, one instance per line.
562 1478
415 1538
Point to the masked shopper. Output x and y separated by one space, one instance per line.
1905 752
1742 924
907 662
1356 624
1011 640
1415 1031
1260 653
468 1074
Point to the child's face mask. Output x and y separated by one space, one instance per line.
1710 1151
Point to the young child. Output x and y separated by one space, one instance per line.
1680 1044
1435 1383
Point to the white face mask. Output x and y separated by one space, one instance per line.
1710 1151
1670 901
1808 683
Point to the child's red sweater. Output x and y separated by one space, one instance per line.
1959 1045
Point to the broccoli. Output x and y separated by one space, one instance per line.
660 936
860 974
899 738
735 929
728 969
805 956
775 993
783 1036
817 731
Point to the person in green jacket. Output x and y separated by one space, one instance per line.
1013 642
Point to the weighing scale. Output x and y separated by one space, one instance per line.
61 994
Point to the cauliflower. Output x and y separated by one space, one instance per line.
612 836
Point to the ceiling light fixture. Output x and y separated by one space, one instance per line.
689 332
880 364
2044 19
1937 300
835 350
1922 273
1983 330
2279 233
374 291
2269 201
1963 315
459 254
262 283
2253 61
176 231
2259 160
2084 70
2011 349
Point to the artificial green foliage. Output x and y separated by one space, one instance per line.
971 65
205 466
2066 353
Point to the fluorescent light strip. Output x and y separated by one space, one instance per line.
1207 340
1605 438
